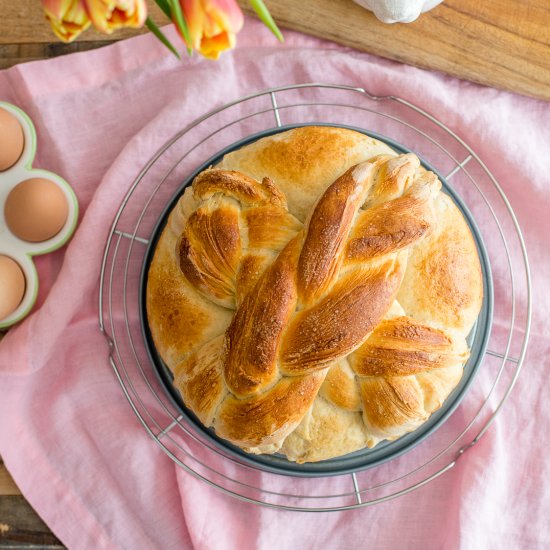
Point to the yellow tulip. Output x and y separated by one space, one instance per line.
68 18
213 25
109 15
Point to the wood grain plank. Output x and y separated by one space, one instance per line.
7 485
12 54
494 42
21 527
526 18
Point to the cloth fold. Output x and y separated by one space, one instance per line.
68 435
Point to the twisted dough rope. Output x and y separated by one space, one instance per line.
313 304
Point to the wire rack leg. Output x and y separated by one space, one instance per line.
131 237
502 356
169 427
356 488
276 109
458 167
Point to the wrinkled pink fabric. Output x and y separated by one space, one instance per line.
67 434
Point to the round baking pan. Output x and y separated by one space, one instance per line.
365 458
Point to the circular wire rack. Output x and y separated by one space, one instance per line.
162 177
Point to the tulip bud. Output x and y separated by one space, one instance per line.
109 15
68 18
213 25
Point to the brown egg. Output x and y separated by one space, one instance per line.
36 210
12 140
12 286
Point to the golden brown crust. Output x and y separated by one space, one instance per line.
254 335
199 378
342 320
272 291
255 421
443 284
396 224
252 267
179 317
402 346
172 312
340 387
327 231
393 177
270 227
246 190
392 404
303 162
210 250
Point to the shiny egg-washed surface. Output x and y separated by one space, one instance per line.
366 362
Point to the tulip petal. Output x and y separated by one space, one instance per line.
56 8
181 22
194 15
68 18
110 15
227 13
212 24
212 47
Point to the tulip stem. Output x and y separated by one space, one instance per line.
263 13
152 26
165 7
181 23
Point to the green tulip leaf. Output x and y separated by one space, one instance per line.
263 13
181 23
165 7
152 26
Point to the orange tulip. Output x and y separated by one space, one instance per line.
68 18
109 15
213 25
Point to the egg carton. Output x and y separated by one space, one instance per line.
21 251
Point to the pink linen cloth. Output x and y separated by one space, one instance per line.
67 434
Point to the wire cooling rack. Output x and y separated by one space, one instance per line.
434 143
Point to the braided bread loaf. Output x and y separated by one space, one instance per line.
312 294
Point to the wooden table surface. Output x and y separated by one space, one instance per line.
500 43
20 525
496 42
